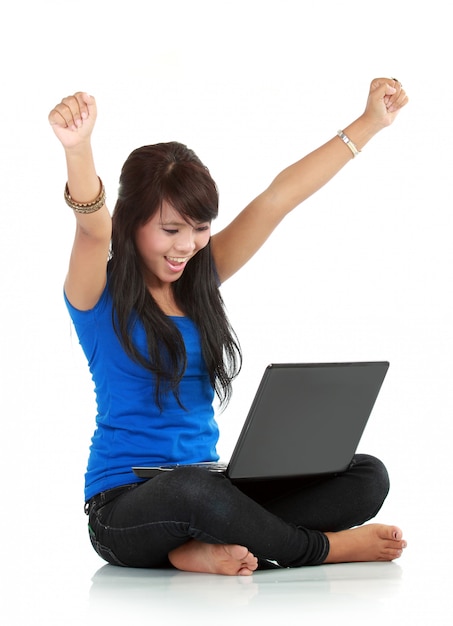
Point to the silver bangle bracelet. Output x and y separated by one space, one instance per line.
351 145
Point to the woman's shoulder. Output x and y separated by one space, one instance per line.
102 305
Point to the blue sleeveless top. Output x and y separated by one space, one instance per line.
130 429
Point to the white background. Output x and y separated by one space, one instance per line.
361 271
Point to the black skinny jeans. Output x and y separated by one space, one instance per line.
280 521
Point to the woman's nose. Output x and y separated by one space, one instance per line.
186 243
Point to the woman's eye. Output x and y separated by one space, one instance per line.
170 231
202 229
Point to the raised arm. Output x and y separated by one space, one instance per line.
237 243
73 121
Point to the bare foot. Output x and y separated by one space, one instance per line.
230 560
372 542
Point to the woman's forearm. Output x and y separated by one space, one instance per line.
303 178
85 186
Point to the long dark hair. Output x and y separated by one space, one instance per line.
173 173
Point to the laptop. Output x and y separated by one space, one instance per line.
305 420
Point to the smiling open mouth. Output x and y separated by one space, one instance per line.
176 260
176 263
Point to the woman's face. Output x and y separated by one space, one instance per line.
167 242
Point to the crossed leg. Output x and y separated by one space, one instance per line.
372 542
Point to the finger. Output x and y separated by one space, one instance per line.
395 83
87 104
398 101
66 113
382 86
72 110
72 104
57 119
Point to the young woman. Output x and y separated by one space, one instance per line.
143 292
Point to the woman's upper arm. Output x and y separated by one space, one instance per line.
87 273
233 246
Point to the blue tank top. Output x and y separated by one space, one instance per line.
130 429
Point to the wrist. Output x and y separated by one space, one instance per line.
81 149
362 130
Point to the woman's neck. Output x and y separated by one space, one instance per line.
165 300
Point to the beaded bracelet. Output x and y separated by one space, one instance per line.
85 207
351 145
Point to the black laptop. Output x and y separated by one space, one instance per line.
305 420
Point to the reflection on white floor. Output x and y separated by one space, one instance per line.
308 590
376 592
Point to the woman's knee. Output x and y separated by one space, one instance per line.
374 478
373 468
